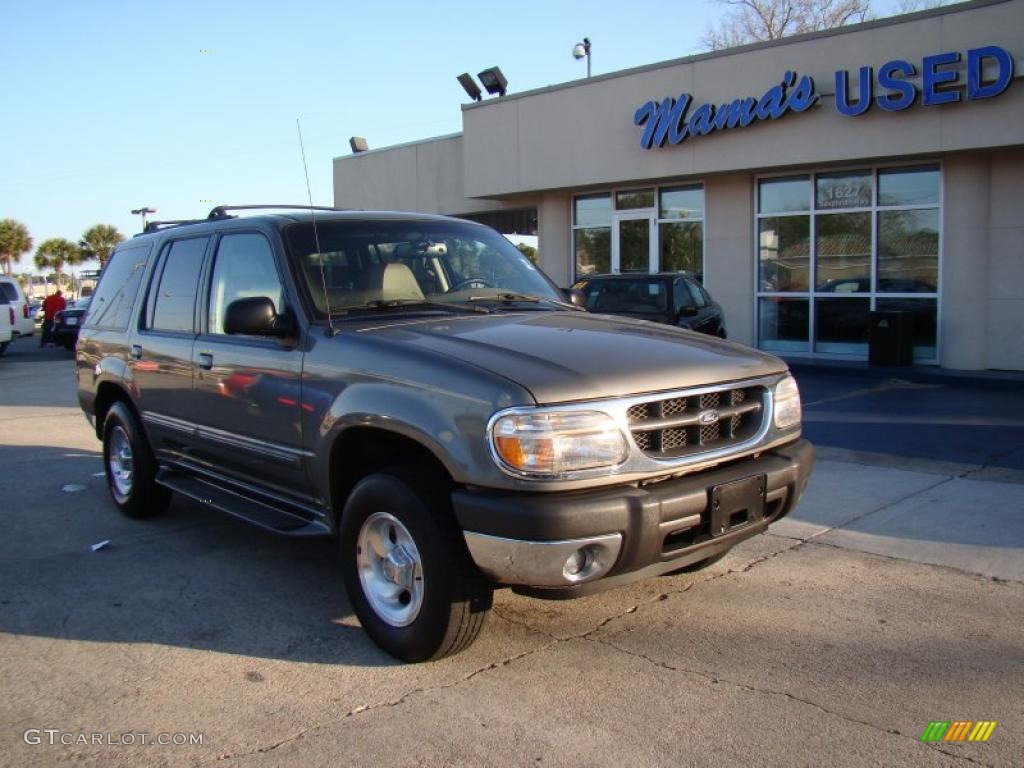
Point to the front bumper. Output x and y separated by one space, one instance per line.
631 532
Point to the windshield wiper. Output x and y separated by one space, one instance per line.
510 297
388 304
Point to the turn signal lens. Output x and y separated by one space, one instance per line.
787 404
555 443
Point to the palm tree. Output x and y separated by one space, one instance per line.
56 253
14 241
98 241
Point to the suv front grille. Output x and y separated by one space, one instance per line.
710 421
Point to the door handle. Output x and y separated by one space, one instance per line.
205 361
136 351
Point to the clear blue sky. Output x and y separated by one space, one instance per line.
112 105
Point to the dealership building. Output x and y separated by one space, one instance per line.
809 181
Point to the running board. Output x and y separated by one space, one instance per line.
245 507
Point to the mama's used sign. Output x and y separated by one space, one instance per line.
890 89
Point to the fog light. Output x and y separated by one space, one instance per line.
577 562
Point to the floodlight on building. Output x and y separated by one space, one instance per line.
358 144
494 81
469 86
581 50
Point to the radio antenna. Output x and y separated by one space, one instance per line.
316 235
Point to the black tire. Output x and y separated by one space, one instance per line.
454 598
3 347
143 497
700 565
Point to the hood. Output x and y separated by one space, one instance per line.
565 356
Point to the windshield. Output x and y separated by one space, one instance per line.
640 295
374 262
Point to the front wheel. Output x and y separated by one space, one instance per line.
407 572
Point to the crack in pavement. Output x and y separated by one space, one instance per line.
715 679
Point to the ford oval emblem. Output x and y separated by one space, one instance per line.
707 418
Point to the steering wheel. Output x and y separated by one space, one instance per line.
470 282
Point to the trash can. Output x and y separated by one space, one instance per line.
891 338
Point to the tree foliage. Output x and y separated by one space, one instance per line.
14 241
529 252
99 240
751 21
57 253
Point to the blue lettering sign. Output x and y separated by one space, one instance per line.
667 120
892 90
975 57
931 76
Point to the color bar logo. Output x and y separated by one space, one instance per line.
958 730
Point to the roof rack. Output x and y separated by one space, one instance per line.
221 212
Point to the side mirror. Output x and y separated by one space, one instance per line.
256 316
576 297
690 311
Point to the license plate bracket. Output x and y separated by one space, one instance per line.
737 504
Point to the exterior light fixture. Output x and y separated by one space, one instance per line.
142 212
469 86
494 81
581 50
358 144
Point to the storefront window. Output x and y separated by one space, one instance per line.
842 242
634 198
784 252
784 323
870 240
682 203
682 247
592 234
785 195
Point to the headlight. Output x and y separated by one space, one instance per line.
553 443
787 404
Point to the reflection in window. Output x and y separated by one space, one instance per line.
851 189
908 186
908 251
841 325
244 269
784 253
783 195
842 245
634 198
682 203
783 324
682 247
593 211
593 248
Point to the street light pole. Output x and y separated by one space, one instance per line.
142 212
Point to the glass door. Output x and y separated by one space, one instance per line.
632 243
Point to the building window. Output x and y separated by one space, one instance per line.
834 246
640 230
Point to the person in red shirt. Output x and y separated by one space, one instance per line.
52 304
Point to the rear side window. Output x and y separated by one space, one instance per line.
172 297
114 299
9 292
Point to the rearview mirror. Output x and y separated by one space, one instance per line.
576 297
256 316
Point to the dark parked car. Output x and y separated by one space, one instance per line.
674 298
68 322
414 386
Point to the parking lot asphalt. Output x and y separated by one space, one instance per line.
891 598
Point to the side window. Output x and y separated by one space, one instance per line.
114 299
698 295
682 295
172 300
243 268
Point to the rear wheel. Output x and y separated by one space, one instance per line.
130 465
408 575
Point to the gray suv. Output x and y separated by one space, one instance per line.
417 388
